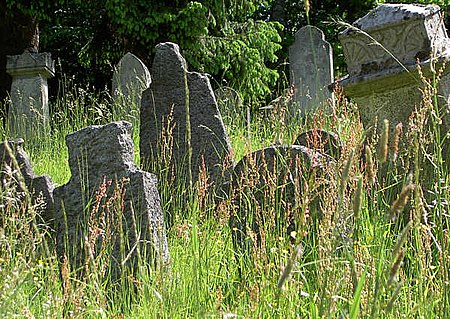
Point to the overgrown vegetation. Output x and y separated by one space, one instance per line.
376 245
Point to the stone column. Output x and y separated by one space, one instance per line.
29 113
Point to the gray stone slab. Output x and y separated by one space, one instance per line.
106 152
40 187
311 70
172 87
131 77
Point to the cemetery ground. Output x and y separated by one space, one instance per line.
375 246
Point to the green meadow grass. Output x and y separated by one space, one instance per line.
379 249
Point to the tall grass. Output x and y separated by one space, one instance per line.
375 246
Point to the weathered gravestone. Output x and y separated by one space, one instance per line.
321 141
311 70
173 91
40 187
269 186
29 114
98 154
382 50
131 77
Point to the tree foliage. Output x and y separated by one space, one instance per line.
240 43
220 38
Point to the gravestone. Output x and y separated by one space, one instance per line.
40 187
271 183
322 141
96 154
28 114
382 50
131 77
311 71
172 92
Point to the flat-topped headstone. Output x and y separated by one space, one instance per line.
311 70
172 92
271 182
40 187
382 62
96 154
131 77
29 112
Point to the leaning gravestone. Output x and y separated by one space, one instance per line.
270 185
131 77
173 91
105 153
311 70
29 113
382 51
40 187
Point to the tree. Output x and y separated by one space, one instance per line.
18 32
220 38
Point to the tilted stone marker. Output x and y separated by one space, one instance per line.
383 78
29 112
273 173
311 70
131 77
104 152
172 87
40 187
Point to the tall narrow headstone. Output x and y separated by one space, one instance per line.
311 70
29 113
198 134
131 77
105 153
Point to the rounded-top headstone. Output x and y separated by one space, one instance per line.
271 182
321 141
311 70
130 79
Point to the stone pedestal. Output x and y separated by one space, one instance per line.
383 50
29 114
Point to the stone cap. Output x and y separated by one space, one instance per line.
31 63
390 14
394 35
388 79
